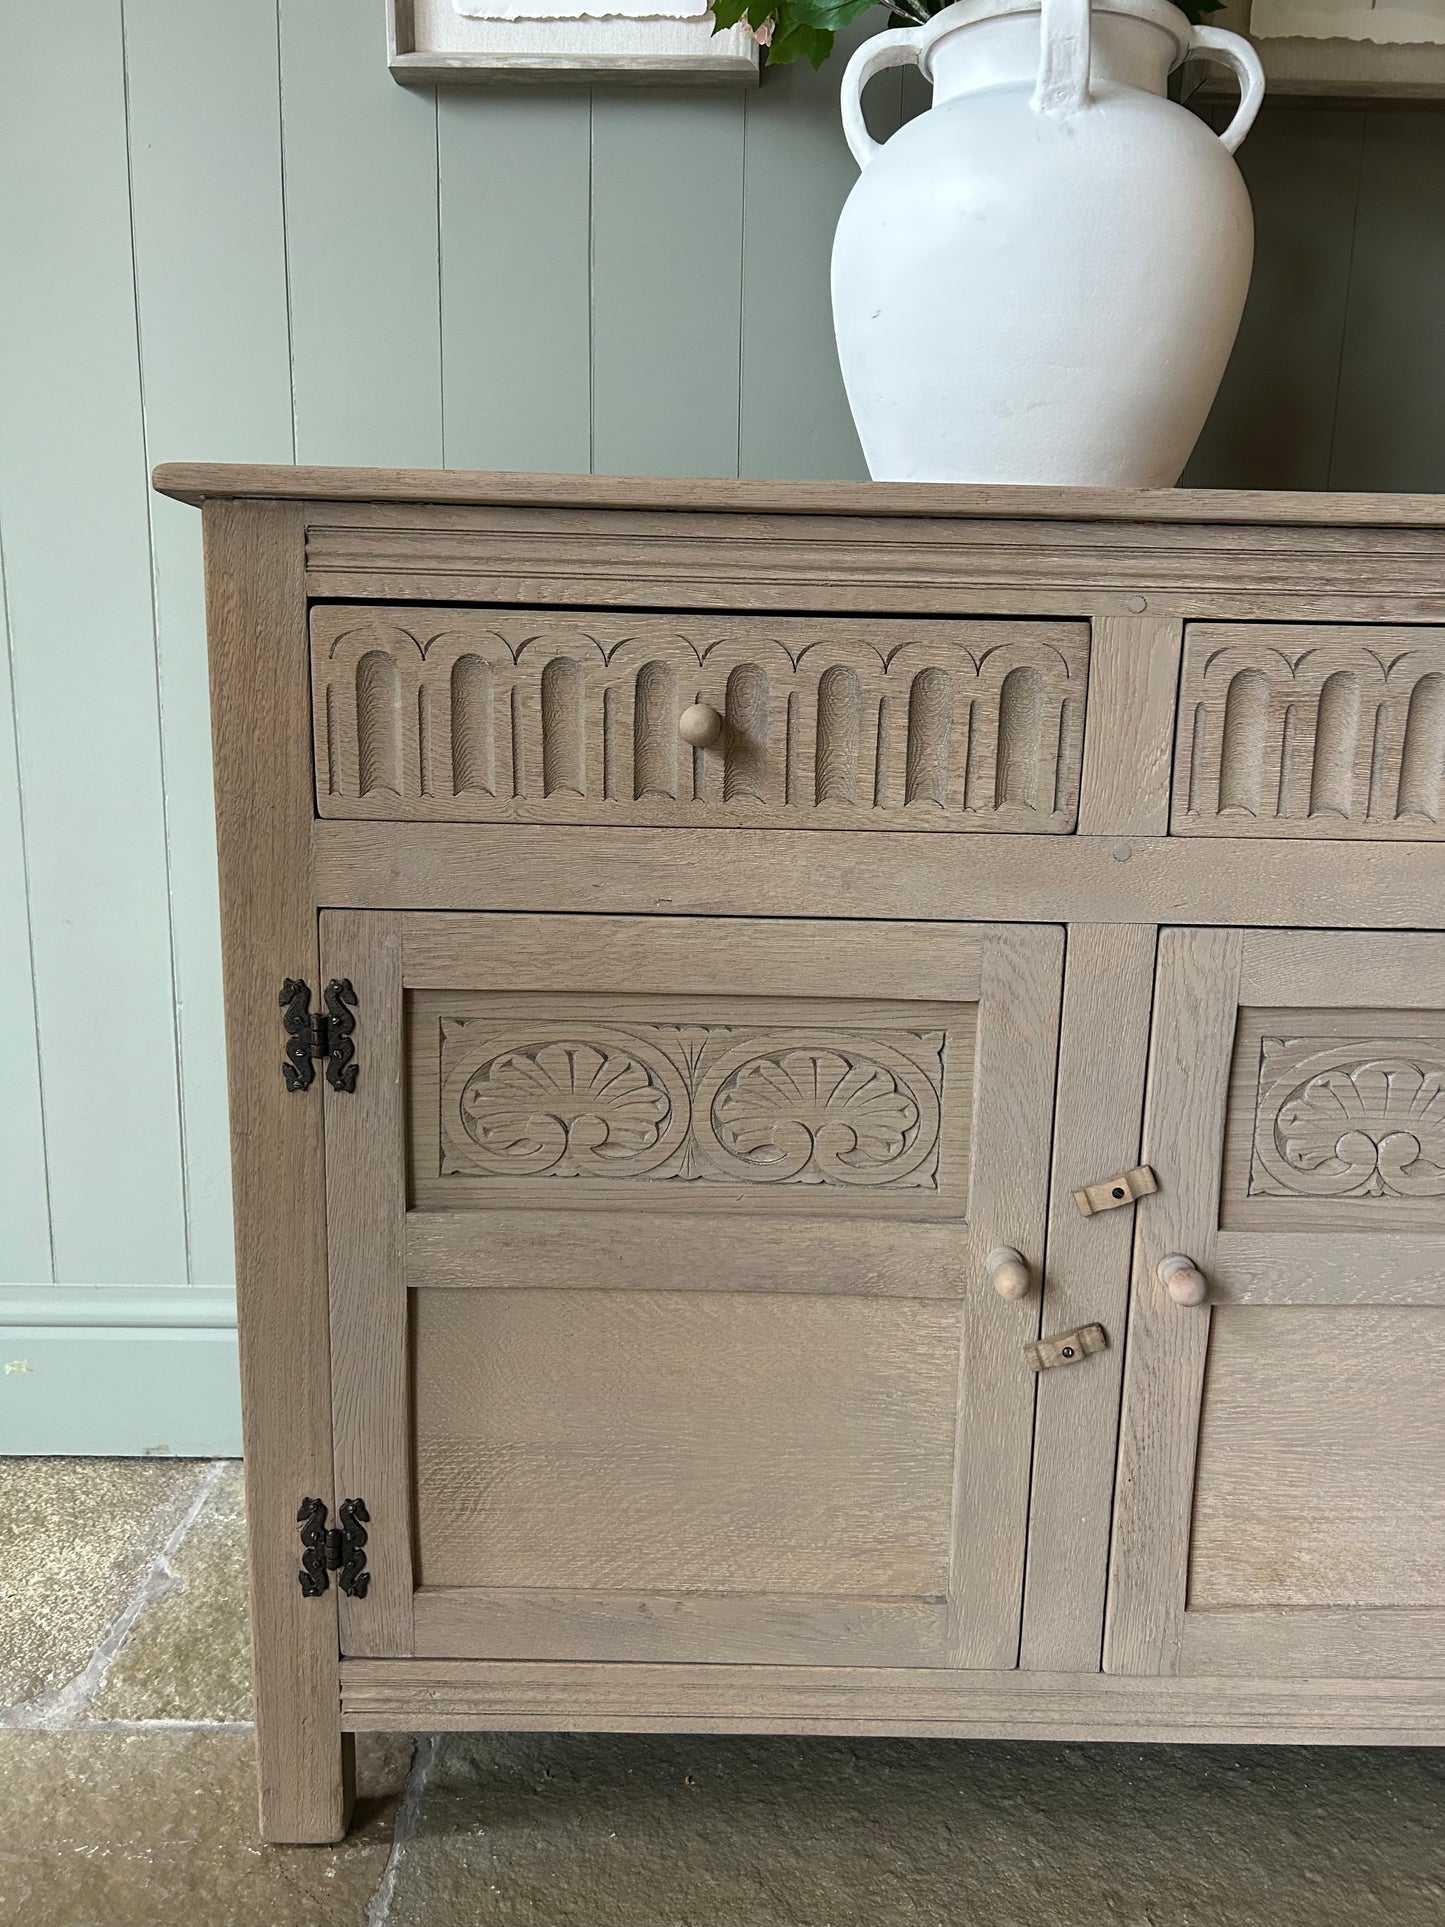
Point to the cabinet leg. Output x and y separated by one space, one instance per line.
306 1800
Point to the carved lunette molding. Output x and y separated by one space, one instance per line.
487 716
1311 731
1349 1118
567 1099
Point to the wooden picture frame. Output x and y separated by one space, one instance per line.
429 42
1311 67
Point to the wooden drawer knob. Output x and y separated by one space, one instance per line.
1008 1273
1182 1279
700 724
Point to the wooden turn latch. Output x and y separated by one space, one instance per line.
1138 1183
1066 1348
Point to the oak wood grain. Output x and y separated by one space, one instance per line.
255 618
1014 1077
1133 681
1108 991
1320 1476
781 873
200 481
1325 1643
365 1204
819 1699
1194 1006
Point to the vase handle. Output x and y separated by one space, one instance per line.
899 47
1233 50
1064 37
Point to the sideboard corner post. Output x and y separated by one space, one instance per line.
260 701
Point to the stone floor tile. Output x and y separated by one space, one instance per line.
188 1654
158 1829
616 1831
77 1536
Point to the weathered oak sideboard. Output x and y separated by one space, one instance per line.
839 1107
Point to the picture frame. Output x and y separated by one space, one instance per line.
429 43
1320 64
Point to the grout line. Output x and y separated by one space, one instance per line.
66 1706
169 1726
423 1760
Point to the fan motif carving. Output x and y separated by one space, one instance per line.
1350 1118
707 1103
820 1115
572 1109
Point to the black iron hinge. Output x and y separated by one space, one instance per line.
311 1035
340 1549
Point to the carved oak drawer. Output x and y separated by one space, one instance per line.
506 715
1311 729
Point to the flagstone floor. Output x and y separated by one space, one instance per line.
127 1790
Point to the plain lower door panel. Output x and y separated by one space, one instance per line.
661 1316
1281 1500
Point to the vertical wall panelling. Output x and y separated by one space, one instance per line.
205 146
1391 427
361 232
73 506
667 203
513 170
798 171
1273 422
24 1209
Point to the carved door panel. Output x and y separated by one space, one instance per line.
662 1323
1281 1499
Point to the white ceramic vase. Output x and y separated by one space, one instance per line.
1040 279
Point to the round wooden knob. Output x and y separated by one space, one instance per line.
1008 1273
700 724
1182 1279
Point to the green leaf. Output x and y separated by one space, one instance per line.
727 13
794 38
826 15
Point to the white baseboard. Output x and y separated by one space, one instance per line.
116 1371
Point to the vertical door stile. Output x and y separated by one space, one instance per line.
1103 1051
365 1221
1197 995
1018 1030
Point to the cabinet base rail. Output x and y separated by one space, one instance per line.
387 1695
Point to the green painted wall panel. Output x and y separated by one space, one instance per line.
667 218
205 142
73 507
120 1391
361 230
1390 431
797 174
1274 422
24 1207
514 172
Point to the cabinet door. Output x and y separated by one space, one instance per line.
662 1321
1281 1502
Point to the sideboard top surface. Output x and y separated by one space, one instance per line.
198 482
